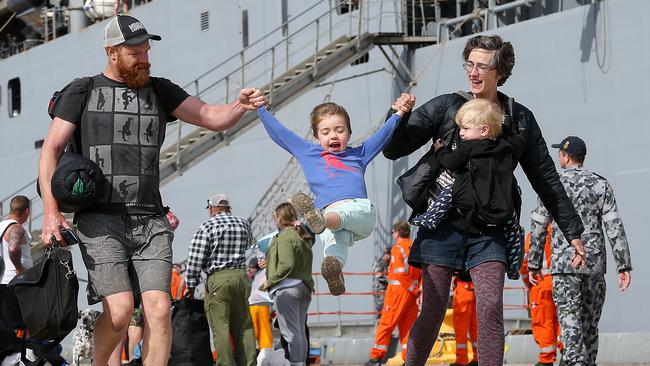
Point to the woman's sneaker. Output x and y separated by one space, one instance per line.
333 275
305 207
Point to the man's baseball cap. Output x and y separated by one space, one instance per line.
219 200
124 29
573 145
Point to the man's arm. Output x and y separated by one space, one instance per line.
219 117
616 232
198 254
540 218
57 138
15 236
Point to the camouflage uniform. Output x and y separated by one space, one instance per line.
379 283
580 293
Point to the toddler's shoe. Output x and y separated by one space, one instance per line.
333 275
305 207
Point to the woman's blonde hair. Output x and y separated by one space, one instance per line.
328 109
481 112
287 216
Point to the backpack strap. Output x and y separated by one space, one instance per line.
75 141
465 95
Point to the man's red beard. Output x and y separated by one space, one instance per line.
135 76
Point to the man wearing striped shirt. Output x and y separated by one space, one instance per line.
218 248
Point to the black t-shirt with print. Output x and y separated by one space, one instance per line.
122 130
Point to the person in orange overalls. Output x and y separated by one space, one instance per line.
465 319
400 301
543 312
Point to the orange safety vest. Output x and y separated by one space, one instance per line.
177 286
399 271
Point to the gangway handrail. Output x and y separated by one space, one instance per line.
234 56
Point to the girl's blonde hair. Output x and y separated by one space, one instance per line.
287 216
328 109
481 112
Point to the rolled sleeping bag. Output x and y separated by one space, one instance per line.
77 182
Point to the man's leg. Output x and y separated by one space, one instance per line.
435 296
218 291
546 312
461 324
111 325
594 299
567 293
408 312
387 322
157 327
243 333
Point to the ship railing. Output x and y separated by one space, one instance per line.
283 51
259 64
53 19
344 311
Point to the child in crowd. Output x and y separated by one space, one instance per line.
341 213
481 194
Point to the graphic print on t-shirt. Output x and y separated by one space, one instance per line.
126 188
125 129
333 161
101 154
149 160
101 100
149 130
126 100
148 103
122 131
99 128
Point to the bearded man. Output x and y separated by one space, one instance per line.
125 238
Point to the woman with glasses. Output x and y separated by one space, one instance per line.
456 245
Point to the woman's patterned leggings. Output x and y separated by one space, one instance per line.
488 281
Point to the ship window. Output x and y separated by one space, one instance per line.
205 21
13 97
346 6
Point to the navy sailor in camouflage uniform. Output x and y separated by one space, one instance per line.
579 292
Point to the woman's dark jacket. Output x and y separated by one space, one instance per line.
435 119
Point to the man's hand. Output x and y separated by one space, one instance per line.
580 259
53 221
404 104
624 279
252 98
439 144
261 263
534 276
188 293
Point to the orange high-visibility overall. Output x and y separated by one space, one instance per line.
400 307
543 313
465 320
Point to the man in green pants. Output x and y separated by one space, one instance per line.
218 249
